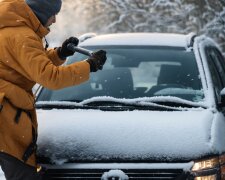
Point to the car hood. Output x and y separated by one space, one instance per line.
94 135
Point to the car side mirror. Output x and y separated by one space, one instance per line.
222 95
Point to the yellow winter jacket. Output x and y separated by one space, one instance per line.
24 62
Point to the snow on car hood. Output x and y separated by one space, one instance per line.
94 135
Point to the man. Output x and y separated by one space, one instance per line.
24 62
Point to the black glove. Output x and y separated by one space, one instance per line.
97 60
63 51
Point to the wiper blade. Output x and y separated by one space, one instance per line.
130 104
115 104
175 102
57 105
112 105
100 105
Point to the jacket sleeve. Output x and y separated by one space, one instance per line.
37 66
53 56
12 92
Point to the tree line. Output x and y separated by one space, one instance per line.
169 16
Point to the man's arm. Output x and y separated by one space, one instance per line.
36 66
53 56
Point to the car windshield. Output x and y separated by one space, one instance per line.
136 71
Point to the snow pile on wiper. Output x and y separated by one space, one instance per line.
145 101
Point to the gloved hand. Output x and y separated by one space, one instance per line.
97 60
63 51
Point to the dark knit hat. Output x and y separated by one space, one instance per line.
44 9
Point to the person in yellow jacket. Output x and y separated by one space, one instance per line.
24 61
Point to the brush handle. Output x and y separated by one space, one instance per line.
74 48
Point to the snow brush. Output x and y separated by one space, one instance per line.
74 48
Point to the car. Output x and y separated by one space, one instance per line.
155 111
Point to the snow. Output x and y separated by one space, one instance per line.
2 177
145 101
95 135
199 48
223 91
114 173
185 166
86 36
150 39
110 129
177 16
200 43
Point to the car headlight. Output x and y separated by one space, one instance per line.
206 169
212 177
222 166
206 164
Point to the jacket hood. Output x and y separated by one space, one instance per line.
16 13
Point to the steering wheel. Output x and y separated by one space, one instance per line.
159 87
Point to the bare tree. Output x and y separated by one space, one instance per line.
113 16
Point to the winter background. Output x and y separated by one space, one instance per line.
116 16
112 16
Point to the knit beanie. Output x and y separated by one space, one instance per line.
44 9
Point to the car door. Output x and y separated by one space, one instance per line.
216 64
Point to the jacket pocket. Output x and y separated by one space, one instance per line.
2 95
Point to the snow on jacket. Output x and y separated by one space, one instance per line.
24 62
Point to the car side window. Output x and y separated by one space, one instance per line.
216 70
220 63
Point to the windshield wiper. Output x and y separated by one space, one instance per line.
175 102
116 104
111 103
101 105
105 105
57 105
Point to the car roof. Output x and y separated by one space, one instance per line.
141 39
